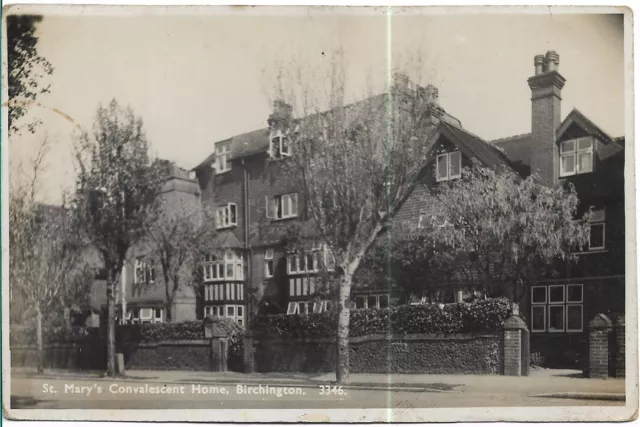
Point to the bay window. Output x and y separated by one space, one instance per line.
228 311
228 267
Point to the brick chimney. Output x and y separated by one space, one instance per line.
546 86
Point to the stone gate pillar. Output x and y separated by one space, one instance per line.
598 362
619 333
514 334
249 352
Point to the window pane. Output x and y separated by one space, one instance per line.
597 215
240 310
292 289
230 311
298 286
596 236
556 293
239 272
360 302
556 317
294 204
310 263
285 145
317 307
269 254
574 317
585 162
568 164
537 318
292 263
455 163
539 294
158 313
278 206
568 146
384 301
232 214
574 293
269 268
302 307
442 166
229 271
303 262
584 143
371 301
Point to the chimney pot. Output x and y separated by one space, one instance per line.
431 93
538 62
552 60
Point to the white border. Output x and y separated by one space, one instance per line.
396 415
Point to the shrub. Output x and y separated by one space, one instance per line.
479 316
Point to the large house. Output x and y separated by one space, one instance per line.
255 207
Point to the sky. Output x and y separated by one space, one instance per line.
197 77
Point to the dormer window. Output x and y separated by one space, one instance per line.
279 145
223 152
448 166
226 216
576 156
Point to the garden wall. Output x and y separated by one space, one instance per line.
411 354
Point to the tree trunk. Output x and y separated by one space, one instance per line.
342 337
111 326
40 349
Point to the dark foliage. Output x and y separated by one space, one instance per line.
481 316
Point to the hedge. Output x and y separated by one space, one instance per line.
188 330
480 316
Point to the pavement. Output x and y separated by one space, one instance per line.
541 383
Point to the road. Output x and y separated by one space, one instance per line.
111 394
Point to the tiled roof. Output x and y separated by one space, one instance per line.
257 141
575 116
479 148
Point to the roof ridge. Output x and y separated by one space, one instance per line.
519 135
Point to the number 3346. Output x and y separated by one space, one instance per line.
327 390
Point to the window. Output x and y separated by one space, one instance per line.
448 166
223 152
307 307
283 206
228 267
145 271
268 263
576 156
145 315
556 308
597 230
233 312
226 216
279 145
312 261
370 301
